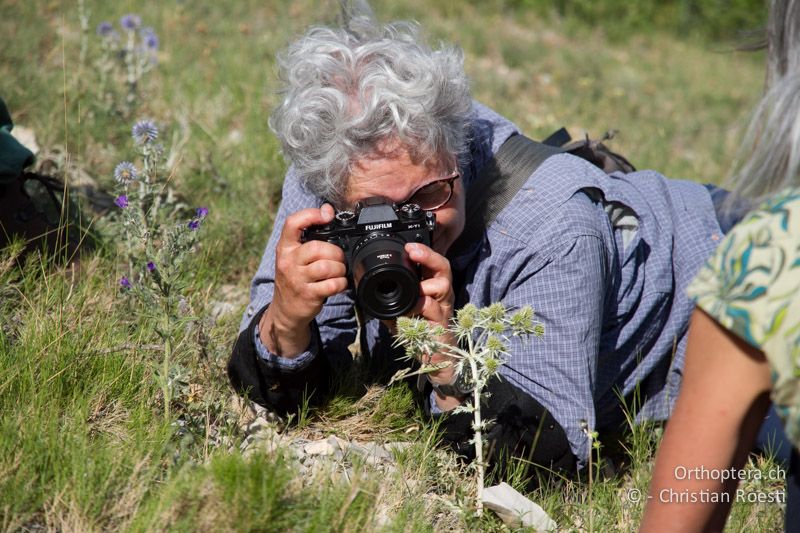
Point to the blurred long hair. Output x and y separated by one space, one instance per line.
769 158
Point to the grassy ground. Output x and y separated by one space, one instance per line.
83 441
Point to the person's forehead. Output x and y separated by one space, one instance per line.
393 177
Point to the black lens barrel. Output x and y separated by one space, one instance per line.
386 280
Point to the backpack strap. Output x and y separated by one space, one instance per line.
599 154
512 165
559 137
498 183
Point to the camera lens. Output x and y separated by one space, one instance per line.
388 289
386 280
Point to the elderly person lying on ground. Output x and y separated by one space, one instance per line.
372 111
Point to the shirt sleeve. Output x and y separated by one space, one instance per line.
297 363
281 389
567 290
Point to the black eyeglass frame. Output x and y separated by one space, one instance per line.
450 180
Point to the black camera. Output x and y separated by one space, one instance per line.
385 280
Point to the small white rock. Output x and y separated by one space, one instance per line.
514 509
398 446
26 138
376 454
320 447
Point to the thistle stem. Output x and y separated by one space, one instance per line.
131 70
475 329
476 426
165 371
167 358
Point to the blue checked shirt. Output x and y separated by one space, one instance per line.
602 259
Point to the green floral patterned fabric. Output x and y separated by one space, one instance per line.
751 285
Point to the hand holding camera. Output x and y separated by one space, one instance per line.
306 273
436 305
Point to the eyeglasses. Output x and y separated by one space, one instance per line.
435 194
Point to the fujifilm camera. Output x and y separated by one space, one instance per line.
385 280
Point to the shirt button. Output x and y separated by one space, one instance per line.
250 311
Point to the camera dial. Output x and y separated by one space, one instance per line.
410 210
345 218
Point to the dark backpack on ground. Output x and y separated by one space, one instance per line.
32 205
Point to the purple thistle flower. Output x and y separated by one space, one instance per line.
194 224
125 173
150 38
151 266
124 283
144 132
202 212
130 22
121 201
104 29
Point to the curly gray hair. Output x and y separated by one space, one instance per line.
347 90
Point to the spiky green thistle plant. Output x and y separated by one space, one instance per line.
483 336
156 245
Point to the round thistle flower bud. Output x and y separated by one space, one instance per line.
522 321
121 201
130 22
438 330
150 39
104 29
495 345
466 316
492 365
496 326
125 173
496 311
144 132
